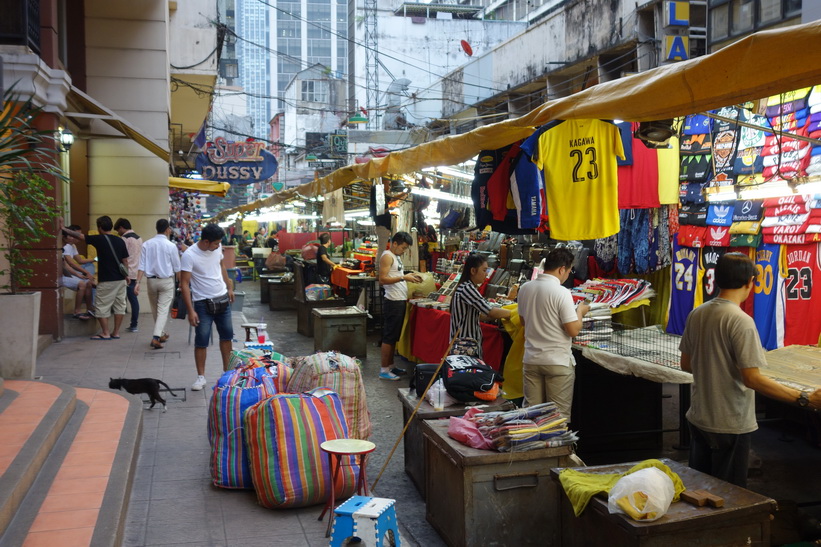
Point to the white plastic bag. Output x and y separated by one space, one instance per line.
643 495
438 396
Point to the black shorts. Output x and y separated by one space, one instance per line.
393 316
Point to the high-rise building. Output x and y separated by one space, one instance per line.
253 23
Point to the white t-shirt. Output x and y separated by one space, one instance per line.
69 249
206 272
545 307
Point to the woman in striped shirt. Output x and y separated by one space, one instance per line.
467 306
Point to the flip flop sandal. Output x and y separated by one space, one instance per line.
115 338
81 316
98 337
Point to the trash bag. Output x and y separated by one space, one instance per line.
643 495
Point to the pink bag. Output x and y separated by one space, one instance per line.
467 433
309 251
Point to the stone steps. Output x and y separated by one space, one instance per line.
66 464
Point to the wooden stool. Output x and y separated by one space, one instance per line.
368 519
336 449
248 327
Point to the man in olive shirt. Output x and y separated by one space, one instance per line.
721 347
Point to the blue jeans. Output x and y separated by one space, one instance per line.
133 301
225 328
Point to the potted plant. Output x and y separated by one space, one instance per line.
27 213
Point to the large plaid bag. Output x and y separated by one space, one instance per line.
341 374
283 434
242 357
279 372
233 395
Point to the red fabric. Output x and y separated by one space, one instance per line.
639 182
339 277
430 336
498 186
289 241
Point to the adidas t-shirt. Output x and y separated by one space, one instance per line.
720 214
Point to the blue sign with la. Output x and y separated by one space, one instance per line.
243 162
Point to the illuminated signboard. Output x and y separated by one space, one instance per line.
240 162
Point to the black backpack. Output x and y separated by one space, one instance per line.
463 375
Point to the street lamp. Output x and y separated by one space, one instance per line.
66 139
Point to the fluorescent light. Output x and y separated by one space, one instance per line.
440 195
298 203
775 189
809 188
726 195
225 224
357 213
366 222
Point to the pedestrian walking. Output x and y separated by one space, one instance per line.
160 265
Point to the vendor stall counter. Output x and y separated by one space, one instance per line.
743 520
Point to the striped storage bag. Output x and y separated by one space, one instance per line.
282 435
341 374
233 395
279 372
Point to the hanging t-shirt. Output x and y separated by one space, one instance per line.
769 306
706 286
683 288
720 214
747 210
578 158
697 124
696 168
693 215
803 323
692 236
668 162
695 145
638 183
527 184
724 142
717 236
626 133
692 192
749 137
486 165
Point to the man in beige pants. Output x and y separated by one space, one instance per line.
160 263
550 320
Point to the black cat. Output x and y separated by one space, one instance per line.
149 386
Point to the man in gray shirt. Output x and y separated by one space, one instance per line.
721 347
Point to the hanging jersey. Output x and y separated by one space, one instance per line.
683 289
668 160
696 145
717 236
578 158
693 215
720 214
769 304
692 192
707 289
487 163
803 322
498 186
692 236
626 134
697 124
638 182
696 168
724 142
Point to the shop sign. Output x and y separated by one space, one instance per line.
325 164
677 41
676 48
676 14
239 162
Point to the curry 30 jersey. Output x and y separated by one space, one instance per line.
706 288
803 323
685 262
769 304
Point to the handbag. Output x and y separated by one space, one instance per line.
123 268
216 306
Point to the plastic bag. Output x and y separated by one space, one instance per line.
438 396
467 433
643 495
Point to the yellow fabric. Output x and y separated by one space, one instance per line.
656 312
789 96
201 186
580 487
751 227
728 76
631 305
578 158
403 346
513 387
668 173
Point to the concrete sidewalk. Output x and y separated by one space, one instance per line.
173 502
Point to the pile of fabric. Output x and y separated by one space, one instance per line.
597 325
532 428
792 219
613 292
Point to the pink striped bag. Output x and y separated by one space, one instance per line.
282 435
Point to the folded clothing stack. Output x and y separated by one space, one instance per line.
532 428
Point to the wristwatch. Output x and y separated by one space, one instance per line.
803 399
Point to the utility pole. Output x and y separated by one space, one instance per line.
371 66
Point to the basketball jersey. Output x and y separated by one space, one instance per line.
683 291
706 288
769 305
578 158
803 323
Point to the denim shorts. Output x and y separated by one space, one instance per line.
225 328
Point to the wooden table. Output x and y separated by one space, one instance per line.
795 366
744 519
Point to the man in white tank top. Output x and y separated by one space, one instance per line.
393 278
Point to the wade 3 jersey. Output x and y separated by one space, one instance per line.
802 318
706 288
682 293
769 304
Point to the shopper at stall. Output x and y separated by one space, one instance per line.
208 295
721 347
393 278
324 264
133 243
468 306
160 263
550 321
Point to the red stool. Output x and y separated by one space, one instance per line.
336 449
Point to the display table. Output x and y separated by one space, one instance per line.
744 519
339 277
798 367
413 440
481 497
429 331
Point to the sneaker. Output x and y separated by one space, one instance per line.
165 336
200 383
398 371
388 376
132 329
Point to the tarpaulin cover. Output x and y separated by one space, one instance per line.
755 67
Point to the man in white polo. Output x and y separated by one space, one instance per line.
550 321
160 263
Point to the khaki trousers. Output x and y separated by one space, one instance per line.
160 295
543 383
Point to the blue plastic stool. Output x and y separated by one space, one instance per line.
367 518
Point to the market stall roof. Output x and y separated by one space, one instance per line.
760 65
201 186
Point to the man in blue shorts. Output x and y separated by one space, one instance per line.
208 295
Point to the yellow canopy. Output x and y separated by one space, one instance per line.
201 186
763 64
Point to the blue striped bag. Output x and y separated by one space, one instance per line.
279 372
230 400
283 434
